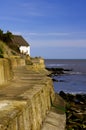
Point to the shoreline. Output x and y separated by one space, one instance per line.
65 78
75 103
75 111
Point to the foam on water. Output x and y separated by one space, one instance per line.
73 81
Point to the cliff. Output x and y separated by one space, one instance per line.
27 97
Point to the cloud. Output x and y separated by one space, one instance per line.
36 40
58 43
48 34
17 19
16 33
38 8
32 8
56 33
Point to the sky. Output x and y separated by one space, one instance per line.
55 29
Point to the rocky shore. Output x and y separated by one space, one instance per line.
75 104
56 72
75 111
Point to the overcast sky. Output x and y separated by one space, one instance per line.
53 28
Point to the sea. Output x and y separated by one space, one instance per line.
74 81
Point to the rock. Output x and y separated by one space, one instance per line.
62 94
77 101
61 81
78 115
75 111
55 80
56 71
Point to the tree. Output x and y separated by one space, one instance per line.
1 34
7 36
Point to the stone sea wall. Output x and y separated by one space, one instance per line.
6 68
17 62
5 71
29 113
27 107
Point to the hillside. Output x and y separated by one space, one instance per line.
9 44
6 51
17 41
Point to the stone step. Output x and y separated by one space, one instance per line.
26 100
54 121
56 118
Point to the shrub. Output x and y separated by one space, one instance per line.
1 53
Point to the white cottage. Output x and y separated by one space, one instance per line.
23 45
25 50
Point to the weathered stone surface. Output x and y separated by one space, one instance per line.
27 99
75 111
6 73
54 121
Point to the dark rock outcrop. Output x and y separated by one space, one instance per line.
58 71
75 111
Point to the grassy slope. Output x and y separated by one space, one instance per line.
5 51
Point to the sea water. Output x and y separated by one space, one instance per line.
73 81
